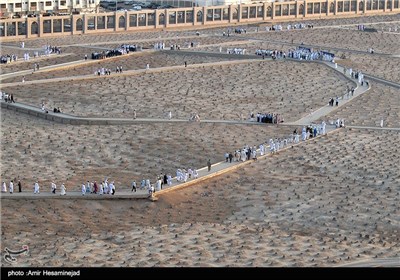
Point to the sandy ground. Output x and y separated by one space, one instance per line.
381 102
386 67
284 87
300 208
133 61
339 38
122 153
327 202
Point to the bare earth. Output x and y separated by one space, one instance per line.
328 202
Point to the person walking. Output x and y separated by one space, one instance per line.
209 165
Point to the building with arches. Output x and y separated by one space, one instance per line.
122 21
10 8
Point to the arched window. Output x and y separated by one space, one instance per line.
121 22
301 9
161 19
34 28
269 12
199 16
79 24
361 6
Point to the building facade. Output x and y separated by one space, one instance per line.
11 8
11 29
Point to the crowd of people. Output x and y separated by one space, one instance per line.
268 118
304 53
236 51
271 53
48 49
8 58
7 97
183 174
109 53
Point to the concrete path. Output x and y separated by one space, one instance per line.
216 169
126 72
374 128
325 110
388 262
62 66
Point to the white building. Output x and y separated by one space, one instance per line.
22 7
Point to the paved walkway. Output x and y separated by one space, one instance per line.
60 66
125 73
216 169
325 110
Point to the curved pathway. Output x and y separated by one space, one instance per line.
216 169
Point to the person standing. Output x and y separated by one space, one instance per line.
230 157
95 187
11 186
19 186
83 189
209 165
134 114
36 188
63 189
381 122
53 187
133 186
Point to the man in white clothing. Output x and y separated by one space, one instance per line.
261 149
101 188
11 186
158 185
323 127
53 187
36 188
62 189
83 189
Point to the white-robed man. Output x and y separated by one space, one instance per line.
36 188
195 174
63 189
83 189
323 127
11 186
262 149
112 188
303 134
53 187
88 187
101 188
3 187
106 187
158 185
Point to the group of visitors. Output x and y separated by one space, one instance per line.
8 58
304 53
7 97
236 51
267 118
